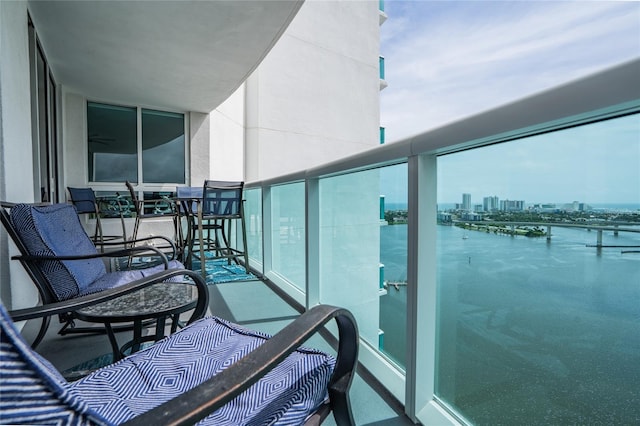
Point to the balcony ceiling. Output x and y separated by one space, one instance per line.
179 55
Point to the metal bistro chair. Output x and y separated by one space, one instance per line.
164 208
85 202
221 206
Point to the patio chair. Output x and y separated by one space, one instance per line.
63 262
212 372
163 208
222 204
85 202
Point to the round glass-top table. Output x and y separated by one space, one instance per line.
155 303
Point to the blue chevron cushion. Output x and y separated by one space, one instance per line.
55 230
34 393
287 395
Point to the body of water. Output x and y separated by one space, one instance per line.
530 331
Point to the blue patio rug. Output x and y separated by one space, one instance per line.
217 270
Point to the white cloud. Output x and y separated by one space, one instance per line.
446 60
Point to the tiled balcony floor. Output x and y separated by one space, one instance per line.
249 303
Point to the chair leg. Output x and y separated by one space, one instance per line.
179 238
191 235
245 252
98 235
124 230
228 251
201 242
41 333
133 238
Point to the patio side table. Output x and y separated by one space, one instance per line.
155 303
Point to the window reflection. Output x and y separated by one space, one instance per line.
163 147
113 145
112 153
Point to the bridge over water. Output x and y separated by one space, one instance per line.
615 228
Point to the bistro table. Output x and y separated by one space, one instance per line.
155 303
188 200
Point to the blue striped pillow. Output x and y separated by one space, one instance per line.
55 230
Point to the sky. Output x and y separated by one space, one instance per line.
446 60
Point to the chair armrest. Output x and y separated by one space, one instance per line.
103 296
207 397
115 253
168 241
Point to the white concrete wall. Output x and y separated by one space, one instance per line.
315 97
74 148
200 147
226 161
16 159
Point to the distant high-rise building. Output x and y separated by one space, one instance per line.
512 205
466 202
491 203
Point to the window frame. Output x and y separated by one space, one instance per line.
140 186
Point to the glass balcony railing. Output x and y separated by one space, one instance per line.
514 303
288 237
381 67
534 297
253 215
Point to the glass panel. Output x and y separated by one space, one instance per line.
288 227
393 262
253 215
163 150
350 247
112 135
539 303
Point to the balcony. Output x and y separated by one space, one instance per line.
478 326
383 15
383 82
